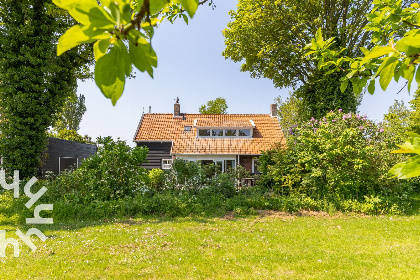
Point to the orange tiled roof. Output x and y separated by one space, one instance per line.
166 127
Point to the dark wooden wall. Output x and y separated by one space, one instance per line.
157 152
63 148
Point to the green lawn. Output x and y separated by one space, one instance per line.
266 246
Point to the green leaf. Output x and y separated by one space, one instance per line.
318 35
351 74
396 170
125 13
371 87
87 12
344 85
418 75
115 12
408 169
377 52
185 18
156 5
120 10
110 72
386 71
136 5
407 72
364 50
100 48
79 34
84 6
143 56
411 145
397 73
404 46
190 6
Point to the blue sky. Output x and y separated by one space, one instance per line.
191 67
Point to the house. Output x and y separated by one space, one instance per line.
226 140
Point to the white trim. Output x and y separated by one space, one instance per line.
214 158
168 164
253 165
201 154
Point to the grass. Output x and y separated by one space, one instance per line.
271 245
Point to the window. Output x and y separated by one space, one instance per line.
204 132
229 164
166 163
230 132
223 132
187 128
255 163
222 165
217 132
244 132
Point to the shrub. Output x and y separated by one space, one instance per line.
184 175
113 172
342 156
223 184
156 178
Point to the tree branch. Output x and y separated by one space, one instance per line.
411 24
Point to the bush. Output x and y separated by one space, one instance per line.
223 184
156 178
342 156
113 172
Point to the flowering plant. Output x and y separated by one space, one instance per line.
343 154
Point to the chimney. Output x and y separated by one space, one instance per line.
177 110
273 110
150 109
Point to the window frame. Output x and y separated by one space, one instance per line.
255 160
224 129
165 166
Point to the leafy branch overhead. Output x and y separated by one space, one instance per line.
395 37
122 31
395 53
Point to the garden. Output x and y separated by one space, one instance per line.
341 200
325 207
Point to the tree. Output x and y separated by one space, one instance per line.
396 122
217 106
34 81
70 116
392 57
291 112
322 94
269 37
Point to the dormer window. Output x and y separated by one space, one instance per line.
224 133
187 128
244 132
230 132
204 132
217 132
